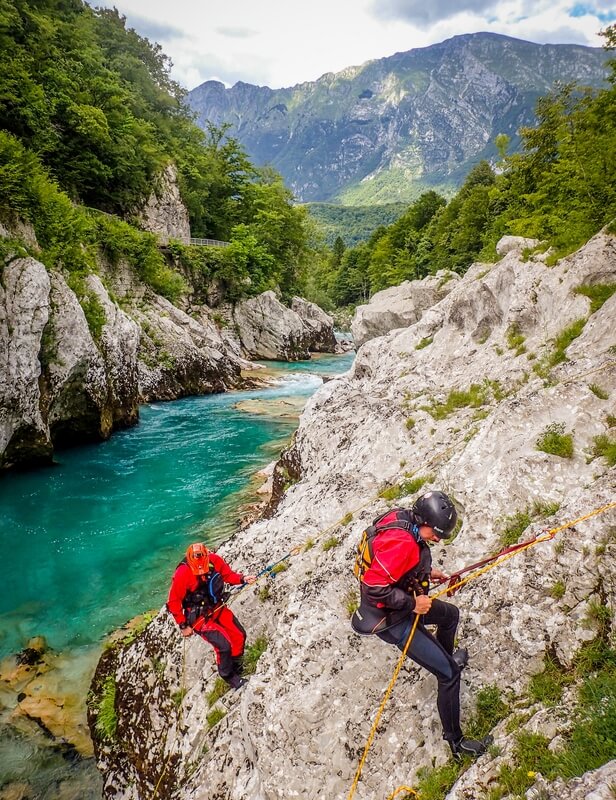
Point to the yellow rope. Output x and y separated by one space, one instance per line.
406 789
381 708
543 538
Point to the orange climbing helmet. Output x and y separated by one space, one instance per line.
198 558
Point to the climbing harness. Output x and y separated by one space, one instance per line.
545 537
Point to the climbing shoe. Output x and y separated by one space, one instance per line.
460 656
470 747
235 682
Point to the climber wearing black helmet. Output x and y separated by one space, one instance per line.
395 567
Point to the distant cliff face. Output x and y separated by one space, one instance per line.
381 131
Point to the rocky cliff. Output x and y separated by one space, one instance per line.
382 131
471 398
76 362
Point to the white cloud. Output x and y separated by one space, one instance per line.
278 43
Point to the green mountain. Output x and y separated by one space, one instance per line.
385 131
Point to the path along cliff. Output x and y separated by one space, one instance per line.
469 399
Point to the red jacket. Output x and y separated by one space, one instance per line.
184 581
395 554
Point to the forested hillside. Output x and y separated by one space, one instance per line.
89 118
560 189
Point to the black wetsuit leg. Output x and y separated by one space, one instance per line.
431 652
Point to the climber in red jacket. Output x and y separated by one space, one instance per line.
395 569
196 601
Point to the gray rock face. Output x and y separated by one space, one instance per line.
508 244
164 213
299 726
428 113
180 355
267 329
399 306
24 311
58 386
318 323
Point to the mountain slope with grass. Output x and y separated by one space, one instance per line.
501 394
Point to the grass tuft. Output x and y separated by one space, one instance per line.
555 441
107 718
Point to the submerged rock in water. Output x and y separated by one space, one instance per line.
289 408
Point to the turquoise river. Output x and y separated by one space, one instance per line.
93 540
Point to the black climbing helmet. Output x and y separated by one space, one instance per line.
436 510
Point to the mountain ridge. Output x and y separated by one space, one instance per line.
386 130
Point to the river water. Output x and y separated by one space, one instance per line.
92 541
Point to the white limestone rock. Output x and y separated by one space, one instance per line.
267 329
180 355
24 311
319 325
515 244
298 728
164 212
399 306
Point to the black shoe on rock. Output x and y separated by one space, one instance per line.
460 656
470 747
235 682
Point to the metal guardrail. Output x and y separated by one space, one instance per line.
209 242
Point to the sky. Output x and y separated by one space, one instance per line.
280 43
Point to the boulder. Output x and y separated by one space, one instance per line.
269 330
182 355
400 306
319 325
515 244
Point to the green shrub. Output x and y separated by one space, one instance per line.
221 687
330 543
348 518
435 784
598 294
604 446
490 710
515 525
351 602
515 340
424 343
177 698
598 391
214 717
474 396
107 719
253 653
557 590
283 566
405 488
410 423
547 687
555 441
563 340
